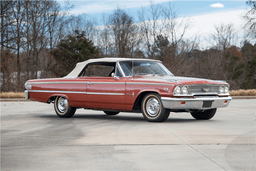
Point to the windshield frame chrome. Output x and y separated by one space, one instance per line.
169 73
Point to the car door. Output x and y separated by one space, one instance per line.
77 90
103 90
106 93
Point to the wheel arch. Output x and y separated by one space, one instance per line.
138 100
54 96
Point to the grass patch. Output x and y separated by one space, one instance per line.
12 95
250 92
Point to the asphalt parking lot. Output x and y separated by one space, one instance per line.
34 138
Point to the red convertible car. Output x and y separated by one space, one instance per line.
129 85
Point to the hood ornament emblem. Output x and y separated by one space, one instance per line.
205 89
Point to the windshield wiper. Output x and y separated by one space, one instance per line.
142 74
161 74
164 75
146 74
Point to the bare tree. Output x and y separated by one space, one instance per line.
162 31
250 18
6 23
17 31
124 33
150 27
104 40
29 28
224 36
174 27
27 44
43 15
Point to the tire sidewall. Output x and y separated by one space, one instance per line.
56 106
69 112
161 116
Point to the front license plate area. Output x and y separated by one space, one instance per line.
207 104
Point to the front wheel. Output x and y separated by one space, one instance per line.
204 115
62 107
153 109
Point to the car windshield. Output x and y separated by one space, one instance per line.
135 68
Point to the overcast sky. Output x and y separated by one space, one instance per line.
203 14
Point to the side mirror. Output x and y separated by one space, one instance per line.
114 75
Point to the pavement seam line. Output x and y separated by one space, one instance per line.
99 145
195 149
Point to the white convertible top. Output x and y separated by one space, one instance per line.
79 66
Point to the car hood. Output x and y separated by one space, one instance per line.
179 80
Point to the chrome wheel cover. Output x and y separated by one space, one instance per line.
152 107
62 104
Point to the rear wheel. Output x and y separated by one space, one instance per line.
62 107
153 109
110 112
204 115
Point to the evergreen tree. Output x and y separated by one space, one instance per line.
75 48
249 54
241 67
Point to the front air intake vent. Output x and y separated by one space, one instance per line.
203 89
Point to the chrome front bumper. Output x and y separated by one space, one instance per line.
26 94
195 103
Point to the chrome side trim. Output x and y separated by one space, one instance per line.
58 82
53 91
140 83
87 82
121 94
123 83
76 92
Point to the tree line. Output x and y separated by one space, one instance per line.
41 39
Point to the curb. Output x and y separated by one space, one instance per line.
14 100
24 100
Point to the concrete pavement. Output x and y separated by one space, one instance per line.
34 138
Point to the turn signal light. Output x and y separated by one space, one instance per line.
225 101
182 103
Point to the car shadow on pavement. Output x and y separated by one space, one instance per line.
177 120
119 117
95 117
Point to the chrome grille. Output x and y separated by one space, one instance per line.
203 89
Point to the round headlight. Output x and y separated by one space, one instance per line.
184 90
177 90
222 89
226 89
